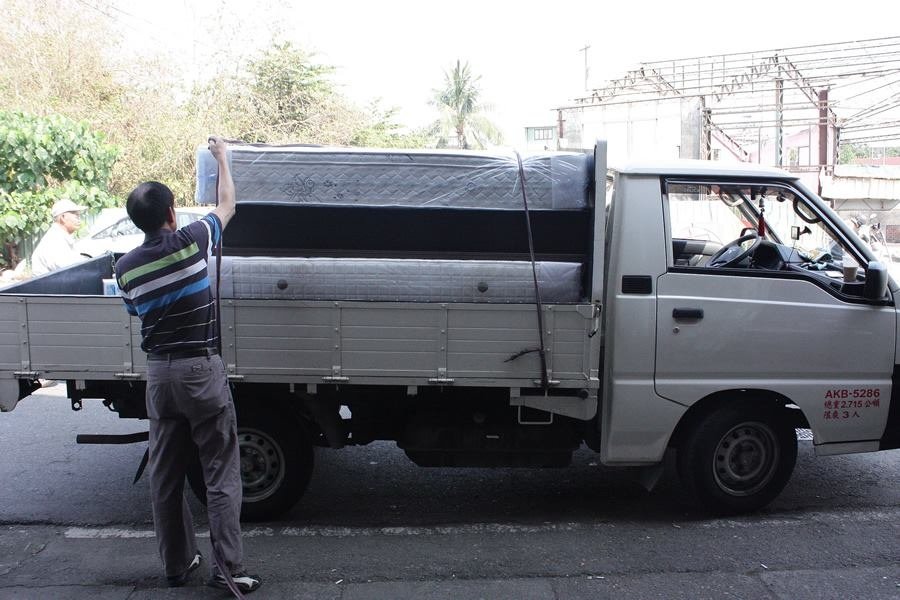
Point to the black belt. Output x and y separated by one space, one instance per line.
183 354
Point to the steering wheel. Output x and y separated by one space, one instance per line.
731 254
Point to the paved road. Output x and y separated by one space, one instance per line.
375 526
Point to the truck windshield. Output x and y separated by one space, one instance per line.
721 214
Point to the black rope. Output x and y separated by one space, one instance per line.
545 382
218 305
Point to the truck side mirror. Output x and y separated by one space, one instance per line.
876 281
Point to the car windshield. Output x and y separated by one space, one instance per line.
122 227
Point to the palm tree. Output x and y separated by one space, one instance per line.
462 108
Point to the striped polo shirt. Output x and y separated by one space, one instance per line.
165 282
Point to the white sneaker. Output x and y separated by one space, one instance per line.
180 580
244 582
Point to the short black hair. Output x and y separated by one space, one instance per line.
148 205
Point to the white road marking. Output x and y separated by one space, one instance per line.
802 520
100 533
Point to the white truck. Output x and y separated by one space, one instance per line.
702 308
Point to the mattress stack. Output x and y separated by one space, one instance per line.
433 220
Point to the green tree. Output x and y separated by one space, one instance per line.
293 98
463 110
65 58
57 57
379 130
43 159
285 96
849 152
288 89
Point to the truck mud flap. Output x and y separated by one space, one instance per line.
105 438
125 438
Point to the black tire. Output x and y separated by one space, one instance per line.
738 458
276 464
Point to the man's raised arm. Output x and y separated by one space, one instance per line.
225 192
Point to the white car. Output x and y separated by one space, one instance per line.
113 231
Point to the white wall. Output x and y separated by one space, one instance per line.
635 131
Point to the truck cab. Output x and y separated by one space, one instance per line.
736 310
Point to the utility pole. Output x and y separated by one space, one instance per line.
779 114
823 128
585 50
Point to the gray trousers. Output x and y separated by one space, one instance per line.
189 403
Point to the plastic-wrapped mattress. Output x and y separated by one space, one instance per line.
411 178
397 280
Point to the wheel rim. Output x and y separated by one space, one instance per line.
745 459
262 464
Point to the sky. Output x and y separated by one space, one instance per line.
530 55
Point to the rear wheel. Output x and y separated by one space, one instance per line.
738 458
276 457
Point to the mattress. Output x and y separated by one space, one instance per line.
417 178
396 280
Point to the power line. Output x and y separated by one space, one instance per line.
809 49
142 30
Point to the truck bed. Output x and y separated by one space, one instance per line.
60 326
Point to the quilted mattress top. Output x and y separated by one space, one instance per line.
411 178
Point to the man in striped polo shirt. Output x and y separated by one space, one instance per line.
165 282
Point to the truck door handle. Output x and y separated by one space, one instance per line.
687 313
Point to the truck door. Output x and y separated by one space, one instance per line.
754 303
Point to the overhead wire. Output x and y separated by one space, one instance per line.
142 30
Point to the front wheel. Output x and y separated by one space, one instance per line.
276 458
738 458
